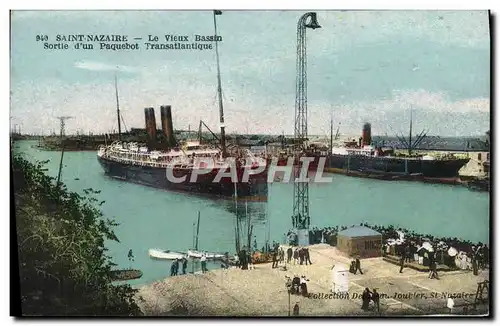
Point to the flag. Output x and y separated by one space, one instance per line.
217 12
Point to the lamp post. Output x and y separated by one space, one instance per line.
289 303
288 285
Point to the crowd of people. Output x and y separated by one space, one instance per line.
297 285
297 256
182 262
369 296
409 244
174 268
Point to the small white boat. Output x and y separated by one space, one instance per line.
165 254
198 254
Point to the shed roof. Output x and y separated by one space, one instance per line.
358 231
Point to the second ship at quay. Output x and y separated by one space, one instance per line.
363 158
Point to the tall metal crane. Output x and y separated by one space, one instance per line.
300 217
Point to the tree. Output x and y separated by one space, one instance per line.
63 266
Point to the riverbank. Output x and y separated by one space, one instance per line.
262 291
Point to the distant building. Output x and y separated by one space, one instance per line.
360 241
476 167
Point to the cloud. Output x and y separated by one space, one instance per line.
36 105
431 110
460 28
98 66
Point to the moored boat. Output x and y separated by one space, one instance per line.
208 255
165 254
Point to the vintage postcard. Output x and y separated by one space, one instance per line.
251 163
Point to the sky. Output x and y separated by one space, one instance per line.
362 66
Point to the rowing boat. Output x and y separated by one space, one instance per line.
165 254
208 255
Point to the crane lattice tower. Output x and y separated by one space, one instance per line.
63 124
300 218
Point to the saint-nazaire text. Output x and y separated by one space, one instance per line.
91 38
124 38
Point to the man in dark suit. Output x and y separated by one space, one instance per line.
307 258
358 266
289 254
376 299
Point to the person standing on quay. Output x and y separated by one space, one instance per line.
358 266
407 253
475 266
366 297
203 263
289 254
401 263
249 258
275 258
301 255
172 268
184 265
296 309
376 299
307 257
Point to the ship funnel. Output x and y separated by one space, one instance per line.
367 134
149 114
167 125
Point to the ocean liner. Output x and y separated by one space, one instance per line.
363 156
162 165
136 163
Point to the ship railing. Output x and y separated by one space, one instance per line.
139 162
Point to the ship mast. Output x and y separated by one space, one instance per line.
118 110
409 137
331 135
219 89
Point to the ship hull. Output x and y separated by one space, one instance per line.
255 189
428 168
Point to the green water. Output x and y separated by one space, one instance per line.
151 218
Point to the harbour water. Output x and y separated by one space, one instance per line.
152 218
